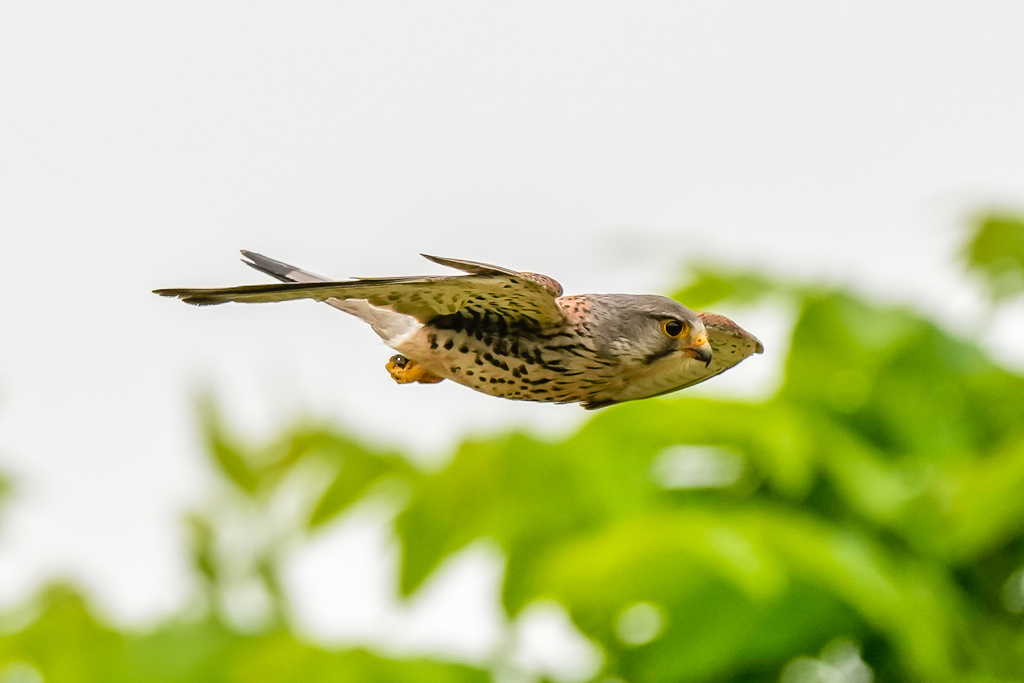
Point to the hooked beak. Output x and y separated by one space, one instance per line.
701 350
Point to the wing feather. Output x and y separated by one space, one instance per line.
487 289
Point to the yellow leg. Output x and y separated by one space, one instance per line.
405 371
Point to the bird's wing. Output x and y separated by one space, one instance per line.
525 297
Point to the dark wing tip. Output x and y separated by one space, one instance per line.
272 267
442 261
250 258
758 347
471 267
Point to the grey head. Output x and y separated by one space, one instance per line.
646 328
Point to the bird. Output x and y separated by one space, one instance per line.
513 334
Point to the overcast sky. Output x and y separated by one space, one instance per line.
143 144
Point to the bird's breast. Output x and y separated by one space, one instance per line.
539 365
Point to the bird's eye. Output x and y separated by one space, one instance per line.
673 327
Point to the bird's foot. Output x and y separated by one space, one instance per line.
405 371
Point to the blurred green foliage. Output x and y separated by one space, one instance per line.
997 253
66 644
877 499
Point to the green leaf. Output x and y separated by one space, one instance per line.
516 490
996 252
201 543
357 470
230 459
981 505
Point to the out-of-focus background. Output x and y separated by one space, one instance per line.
242 493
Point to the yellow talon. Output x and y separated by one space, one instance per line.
405 371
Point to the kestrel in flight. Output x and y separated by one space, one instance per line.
514 335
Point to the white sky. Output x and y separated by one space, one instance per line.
142 144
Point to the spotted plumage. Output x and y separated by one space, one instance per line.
513 335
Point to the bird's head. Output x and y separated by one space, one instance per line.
651 329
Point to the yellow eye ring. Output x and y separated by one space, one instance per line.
674 328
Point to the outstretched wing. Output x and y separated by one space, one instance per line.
485 289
